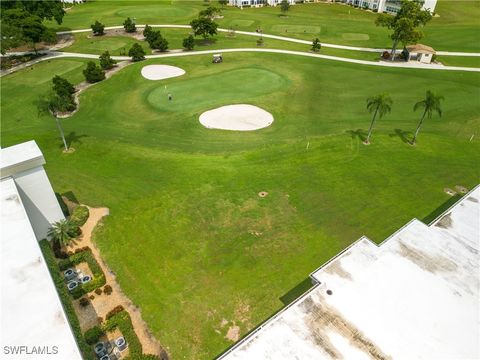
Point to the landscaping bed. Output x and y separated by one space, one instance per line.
84 255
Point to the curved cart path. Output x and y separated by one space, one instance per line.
406 65
276 37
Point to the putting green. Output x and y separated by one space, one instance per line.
240 23
355 36
296 29
198 94
159 10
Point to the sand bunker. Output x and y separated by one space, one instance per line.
159 72
239 117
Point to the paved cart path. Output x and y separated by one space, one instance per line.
277 37
175 53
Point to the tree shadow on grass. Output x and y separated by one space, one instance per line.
205 42
359 133
294 293
405 136
73 138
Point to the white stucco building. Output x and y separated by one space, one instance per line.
257 3
33 322
415 296
389 6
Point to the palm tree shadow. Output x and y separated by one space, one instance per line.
73 138
359 133
405 136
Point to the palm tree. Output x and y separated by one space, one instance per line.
52 105
379 105
430 104
63 231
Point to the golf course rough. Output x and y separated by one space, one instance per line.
239 117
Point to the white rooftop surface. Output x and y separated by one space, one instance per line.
414 297
31 312
20 157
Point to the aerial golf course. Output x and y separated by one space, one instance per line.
192 243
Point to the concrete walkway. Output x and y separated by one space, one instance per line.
406 65
276 37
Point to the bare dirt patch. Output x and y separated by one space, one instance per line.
262 194
449 191
233 333
461 189
138 35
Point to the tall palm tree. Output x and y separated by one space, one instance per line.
379 105
52 105
63 231
430 104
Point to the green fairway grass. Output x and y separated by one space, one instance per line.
456 28
297 29
355 36
188 237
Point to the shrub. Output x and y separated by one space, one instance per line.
106 62
93 73
129 26
98 28
136 52
57 250
160 43
80 215
65 298
93 335
99 319
189 43
91 297
147 31
107 290
84 302
114 311
316 45
98 291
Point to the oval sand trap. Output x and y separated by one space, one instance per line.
159 72
239 117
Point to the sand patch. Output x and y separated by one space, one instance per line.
239 117
159 72
233 333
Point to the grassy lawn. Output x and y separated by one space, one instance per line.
467 61
190 240
455 29
85 43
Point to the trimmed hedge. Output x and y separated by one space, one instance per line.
80 215
124 323
65 299
93 335
98 275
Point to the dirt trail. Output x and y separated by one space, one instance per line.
102 304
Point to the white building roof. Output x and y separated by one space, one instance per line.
31 313
21 157
416 296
